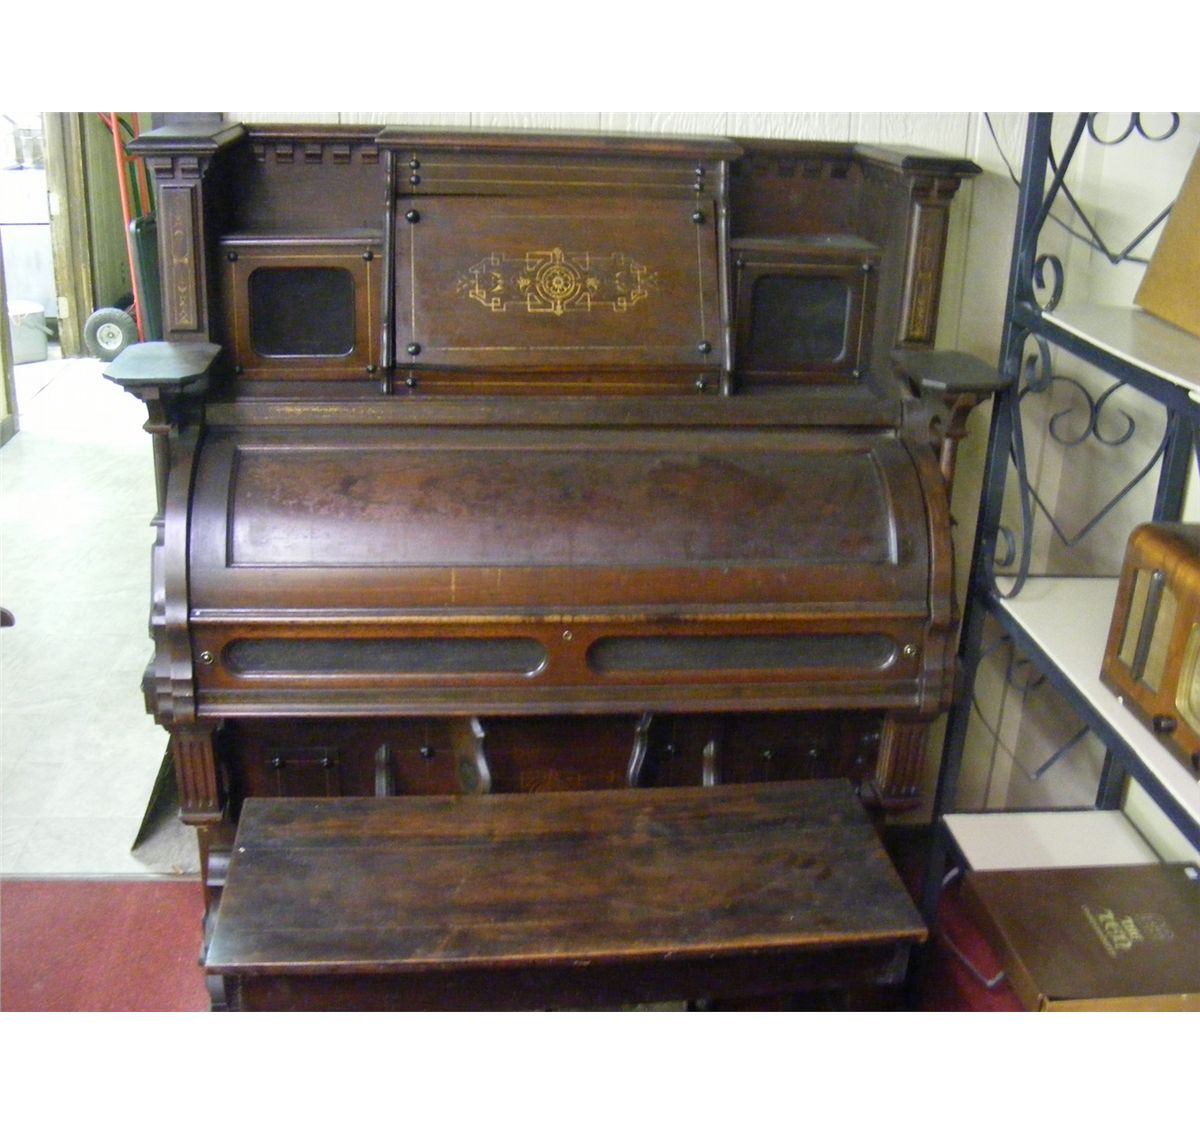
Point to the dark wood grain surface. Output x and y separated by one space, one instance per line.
359 885
486 484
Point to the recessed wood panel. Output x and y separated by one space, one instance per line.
538 507
520 283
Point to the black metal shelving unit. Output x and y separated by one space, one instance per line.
1058 623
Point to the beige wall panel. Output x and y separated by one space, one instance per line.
282 117
801 126
1124 188
948 133
997 138
704 124
567 121
404 117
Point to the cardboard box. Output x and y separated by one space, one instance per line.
1094 938
1170 288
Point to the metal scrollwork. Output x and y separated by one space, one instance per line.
1039 279
1135 125
1059 185
1094 412
1023 679
1038 369
1069 427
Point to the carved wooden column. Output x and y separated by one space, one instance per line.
898 770
180 159
905 208
200 797
928 226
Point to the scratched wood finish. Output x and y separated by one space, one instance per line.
562 883
323 514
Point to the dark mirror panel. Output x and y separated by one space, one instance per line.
797 321
413 656
302 311
745 654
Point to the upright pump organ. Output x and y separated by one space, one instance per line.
501 462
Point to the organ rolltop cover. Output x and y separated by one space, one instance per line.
553 437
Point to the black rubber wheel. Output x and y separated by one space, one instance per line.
108 332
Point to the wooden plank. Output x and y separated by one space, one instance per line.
552 881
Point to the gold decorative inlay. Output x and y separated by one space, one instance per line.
557 281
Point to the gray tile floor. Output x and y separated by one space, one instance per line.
79 756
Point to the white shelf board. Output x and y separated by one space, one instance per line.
1138 337
1068 619
1006 841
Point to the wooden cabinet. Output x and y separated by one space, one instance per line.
497 463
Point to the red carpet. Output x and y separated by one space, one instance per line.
133 946
101 946
949 985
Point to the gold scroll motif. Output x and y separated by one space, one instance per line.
556 281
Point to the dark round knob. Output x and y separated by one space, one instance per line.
410 382
426 752
232 256
697 216
414 179
368 255
414 163
276 763
1163 724
704 347
413 216
413 349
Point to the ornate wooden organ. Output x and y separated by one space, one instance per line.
503 462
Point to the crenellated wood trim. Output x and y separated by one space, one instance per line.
310 149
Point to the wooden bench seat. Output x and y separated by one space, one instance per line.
586 899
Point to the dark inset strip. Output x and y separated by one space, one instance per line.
772 652
401 656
